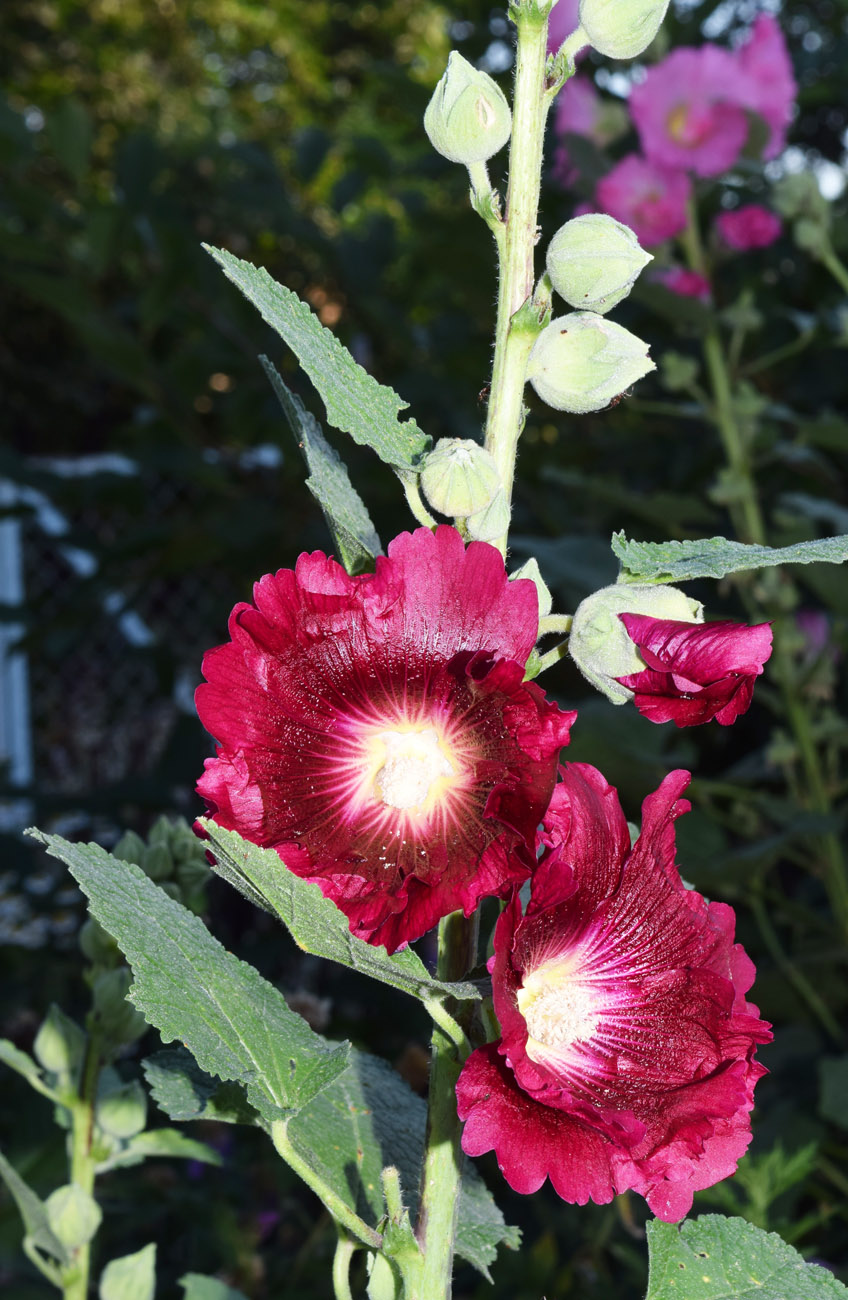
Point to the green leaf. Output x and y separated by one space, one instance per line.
833 1097
356 403
314 922
198 1287
713 1258
344 510
183 1091
133 1277
34 1214
24 1065
714 557
234 1022
370 1118
168 1143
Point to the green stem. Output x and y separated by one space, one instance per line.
443 1157
409 480
340 1210
837 268
514 338
345 1247
83 1164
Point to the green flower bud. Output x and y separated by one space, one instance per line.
580 362
621 29
122 1112
798 195
59 1043
73 1215
130 848
531 570
490 523
117 1019
468 118
160 831
593 261
598 642
157 861
459 477
98 946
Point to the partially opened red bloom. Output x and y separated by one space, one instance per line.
377 731
695 671
626 1057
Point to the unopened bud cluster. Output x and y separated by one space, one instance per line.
173 856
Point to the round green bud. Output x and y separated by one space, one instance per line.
621 29
130 848
459 477
117 1019
73 1215
593 261
122 1113
157 861
490 523
798 195
580 362
59 1043
468 118
598 642
98 946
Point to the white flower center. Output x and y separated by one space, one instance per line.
414 771
558 1007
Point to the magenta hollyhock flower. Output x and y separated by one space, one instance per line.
751 226
377 731
626 1060
687 112
652 200
767 85
695 671
689 284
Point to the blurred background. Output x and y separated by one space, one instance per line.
147 479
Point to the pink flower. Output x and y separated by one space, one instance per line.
695 671
767 85
563 21
627 1052
749 227
377 732
649 198
687 111
689 284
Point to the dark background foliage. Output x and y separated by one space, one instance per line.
151 473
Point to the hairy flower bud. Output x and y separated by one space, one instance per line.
621 29
599 642
459 477
59 1043
73 1215
117 1019
580 362
468 118
593 261
122 1113
490 523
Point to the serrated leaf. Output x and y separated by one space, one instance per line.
184 1092
714 1258
233 1021
315 923
344 510
355 402
132 1277
167 1143
370 1118
714 557
33 1212
198 1287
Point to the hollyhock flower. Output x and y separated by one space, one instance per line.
689 284
766 84
749 227
563 20
580 110
377 732
626 1060
650 199
695 671
687 113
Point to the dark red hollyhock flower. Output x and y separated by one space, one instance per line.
377 731
626 1060
696 671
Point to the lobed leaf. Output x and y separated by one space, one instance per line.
355 402
168 1143
183 1091
714 1258
314 922
233 1021
344 510
715 557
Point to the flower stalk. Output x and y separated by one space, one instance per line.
83 1163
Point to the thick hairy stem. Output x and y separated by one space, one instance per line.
345 1247
443 1156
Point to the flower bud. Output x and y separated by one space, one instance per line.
490 523
459 477
593 261
580 362
599 643
122 1113
130 848
98 946
73 1215
621 29
59 1043
157 862
468 118
117 1019
530 569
